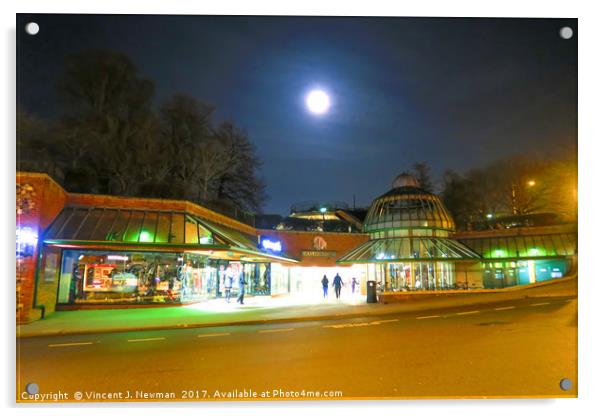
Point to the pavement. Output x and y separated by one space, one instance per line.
260 310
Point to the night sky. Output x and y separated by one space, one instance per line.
456 93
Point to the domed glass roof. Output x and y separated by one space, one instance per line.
407 206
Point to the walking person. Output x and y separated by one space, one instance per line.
337 283
353 284
325 286
228 280
241 288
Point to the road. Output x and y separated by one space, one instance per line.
518 348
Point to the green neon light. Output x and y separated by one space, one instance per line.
145 237
500 253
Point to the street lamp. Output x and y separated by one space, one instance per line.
531 183
323 211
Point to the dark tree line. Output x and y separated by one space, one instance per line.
111 139
512 186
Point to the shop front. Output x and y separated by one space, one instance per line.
523 272
536 255
128 256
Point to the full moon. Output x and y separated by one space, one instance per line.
317 101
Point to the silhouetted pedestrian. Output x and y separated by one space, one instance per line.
353 284
337 283
325 286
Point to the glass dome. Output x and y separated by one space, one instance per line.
407 207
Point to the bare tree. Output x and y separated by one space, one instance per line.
107 116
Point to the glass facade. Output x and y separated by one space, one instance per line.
97 276
419 276
523 272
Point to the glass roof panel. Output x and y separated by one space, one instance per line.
408 249
543 245
104 224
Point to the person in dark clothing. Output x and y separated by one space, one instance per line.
241 288
337 283
325 286
353 284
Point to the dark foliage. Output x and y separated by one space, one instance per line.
111 140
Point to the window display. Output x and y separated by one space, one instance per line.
420 276
145 277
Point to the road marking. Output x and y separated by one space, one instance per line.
467 313
146 339
428 317
71 344
359 324
385 321
505 308
275 330
540 304
221 334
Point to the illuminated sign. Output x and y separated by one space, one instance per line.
318 253
27 239
116 257
271 245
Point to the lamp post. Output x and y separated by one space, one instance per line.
514 208
530 184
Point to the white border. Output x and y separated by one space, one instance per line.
590 136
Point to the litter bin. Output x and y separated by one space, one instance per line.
371 291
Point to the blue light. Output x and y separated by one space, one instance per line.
271 245
27 239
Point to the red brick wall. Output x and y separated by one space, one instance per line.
294 242
39 207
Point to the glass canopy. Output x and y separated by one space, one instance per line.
409 249
134 227
524 246
131 226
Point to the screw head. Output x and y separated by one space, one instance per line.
566 384
566 32
32 28
32 388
